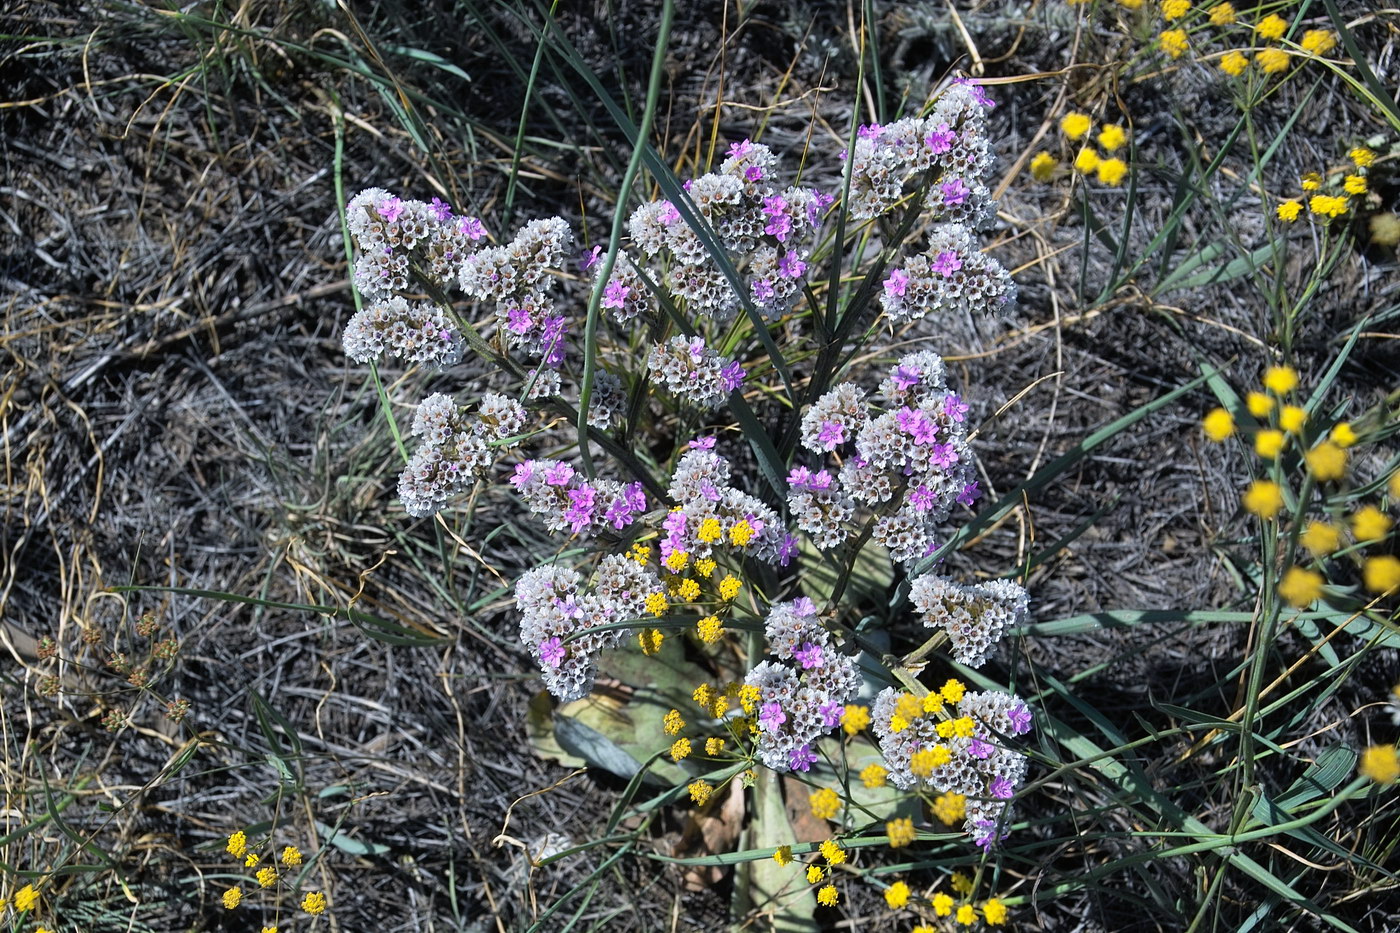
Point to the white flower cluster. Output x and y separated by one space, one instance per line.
566 499
711 512
459 447
415 331
946 155
761 227
392 234
951 275
691 370
955 742
974 617
802 695
909 462
560 620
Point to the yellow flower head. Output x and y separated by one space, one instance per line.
291 855
897 895
953 690
1327 205
825 803
814 874
1174 9
700 792
942 904
267 877
1380 763
232 897
709 531
650 640
1263 498
901 832
1280 380
709 629
1111 172
656 604
1354 184
1318 41
1272 60
909 706
1320 538
672 722
832 852
1112 137
1234 63
1300 587
1268 443
680 748
1259 404
676 561
1086 161
714 745
855 719
1174 42
1343 435
994 912
742 532
314 903
1381 574
238 844
688 590
1327 462
1075 125
1361 157
873 775
783 855
251 860
828 896
729 587
967 915
1288 211
1370 524
705 567
1043 166
1271 26
1310 181
1222 14
1218 424
1292 418
962 884
26 898
950 808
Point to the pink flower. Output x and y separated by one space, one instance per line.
771 716
980 750
1002 788
1019 715
762 290
558 474
802 758
589 258
946 263
552 651
954 192
740 150
869 131
831 434
955 408
753 173
702 443
968 497
904 378
518 320
471 228
941 139
832 714
896 284
921 498
731 377
615 295
809 655
790 267
390 209
669 214
440 209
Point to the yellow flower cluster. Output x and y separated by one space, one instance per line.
1280 429
1351 184
1075 126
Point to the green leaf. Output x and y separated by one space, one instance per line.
348 845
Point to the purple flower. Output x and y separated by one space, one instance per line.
897 283
762 289
771 716
674 522
519 321
471 228
954 192
799 477
979 93
669 214
710 491
832 714
941 139
589 258
869 131
390 208
819 203
904 378
1002 788
946 263
615 294
552 651
955 408
623 510
790 267
558 474
580 510
524 472
820 480
753 173
740 150
1019 715
804 607
969 495
787 550
985 834
702 443
921 498
943 455
980 750
731 377
809 655
440 209
696 348
781 224
831 434
802 758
